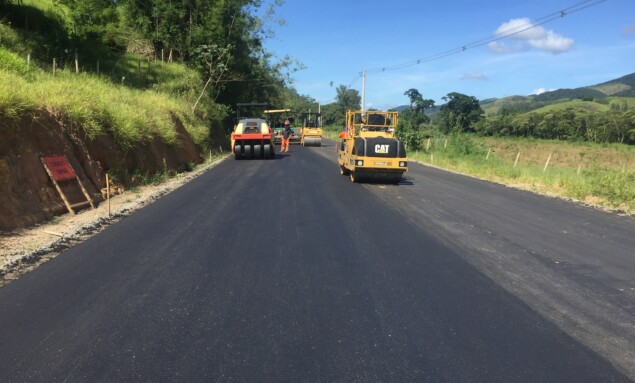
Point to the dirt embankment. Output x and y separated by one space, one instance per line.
28 196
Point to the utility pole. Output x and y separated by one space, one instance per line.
363 88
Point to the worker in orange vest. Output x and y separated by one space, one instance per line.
286 136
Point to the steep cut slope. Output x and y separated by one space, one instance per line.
29 196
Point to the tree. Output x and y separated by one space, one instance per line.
459 113
332 115
348 99
299 103
90 16
416 113
345 99
417 103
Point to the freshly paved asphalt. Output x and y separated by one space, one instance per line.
283 270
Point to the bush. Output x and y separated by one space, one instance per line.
411 137
14 104
13 63
462 145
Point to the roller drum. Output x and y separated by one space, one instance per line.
376 176
312 141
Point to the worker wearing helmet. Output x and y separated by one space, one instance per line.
286 136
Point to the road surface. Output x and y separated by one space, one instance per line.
283 270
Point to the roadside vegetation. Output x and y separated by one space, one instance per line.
131 70
101 107
593 173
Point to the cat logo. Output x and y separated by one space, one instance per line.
383 149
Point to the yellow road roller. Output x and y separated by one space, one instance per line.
311 129
369 150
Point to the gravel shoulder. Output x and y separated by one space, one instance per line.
24 249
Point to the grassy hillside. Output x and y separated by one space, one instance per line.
589 98
132 98
575 104
623 86
612 88
495 105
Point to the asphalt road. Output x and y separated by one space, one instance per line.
283 270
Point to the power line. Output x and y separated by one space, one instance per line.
495 37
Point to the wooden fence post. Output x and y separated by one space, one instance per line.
108 193
489 150
54 65
428 144
547 163
76 63
517 157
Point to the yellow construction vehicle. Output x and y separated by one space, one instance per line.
311 129
369 150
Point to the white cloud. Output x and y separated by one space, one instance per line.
523 35
474 76
502 48
542 90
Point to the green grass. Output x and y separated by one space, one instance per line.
496 105
99 106
602 182
575 104
133 98
612 88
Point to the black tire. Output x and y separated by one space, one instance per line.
257 151
267 152
247 151
238 152
353 177
344 171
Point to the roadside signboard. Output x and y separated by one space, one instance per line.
59 168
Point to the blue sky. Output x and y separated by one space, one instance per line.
335 40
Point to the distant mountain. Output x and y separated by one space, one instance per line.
595 97
400 108
585 93
595 94
621 87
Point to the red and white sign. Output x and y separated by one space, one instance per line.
59 167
